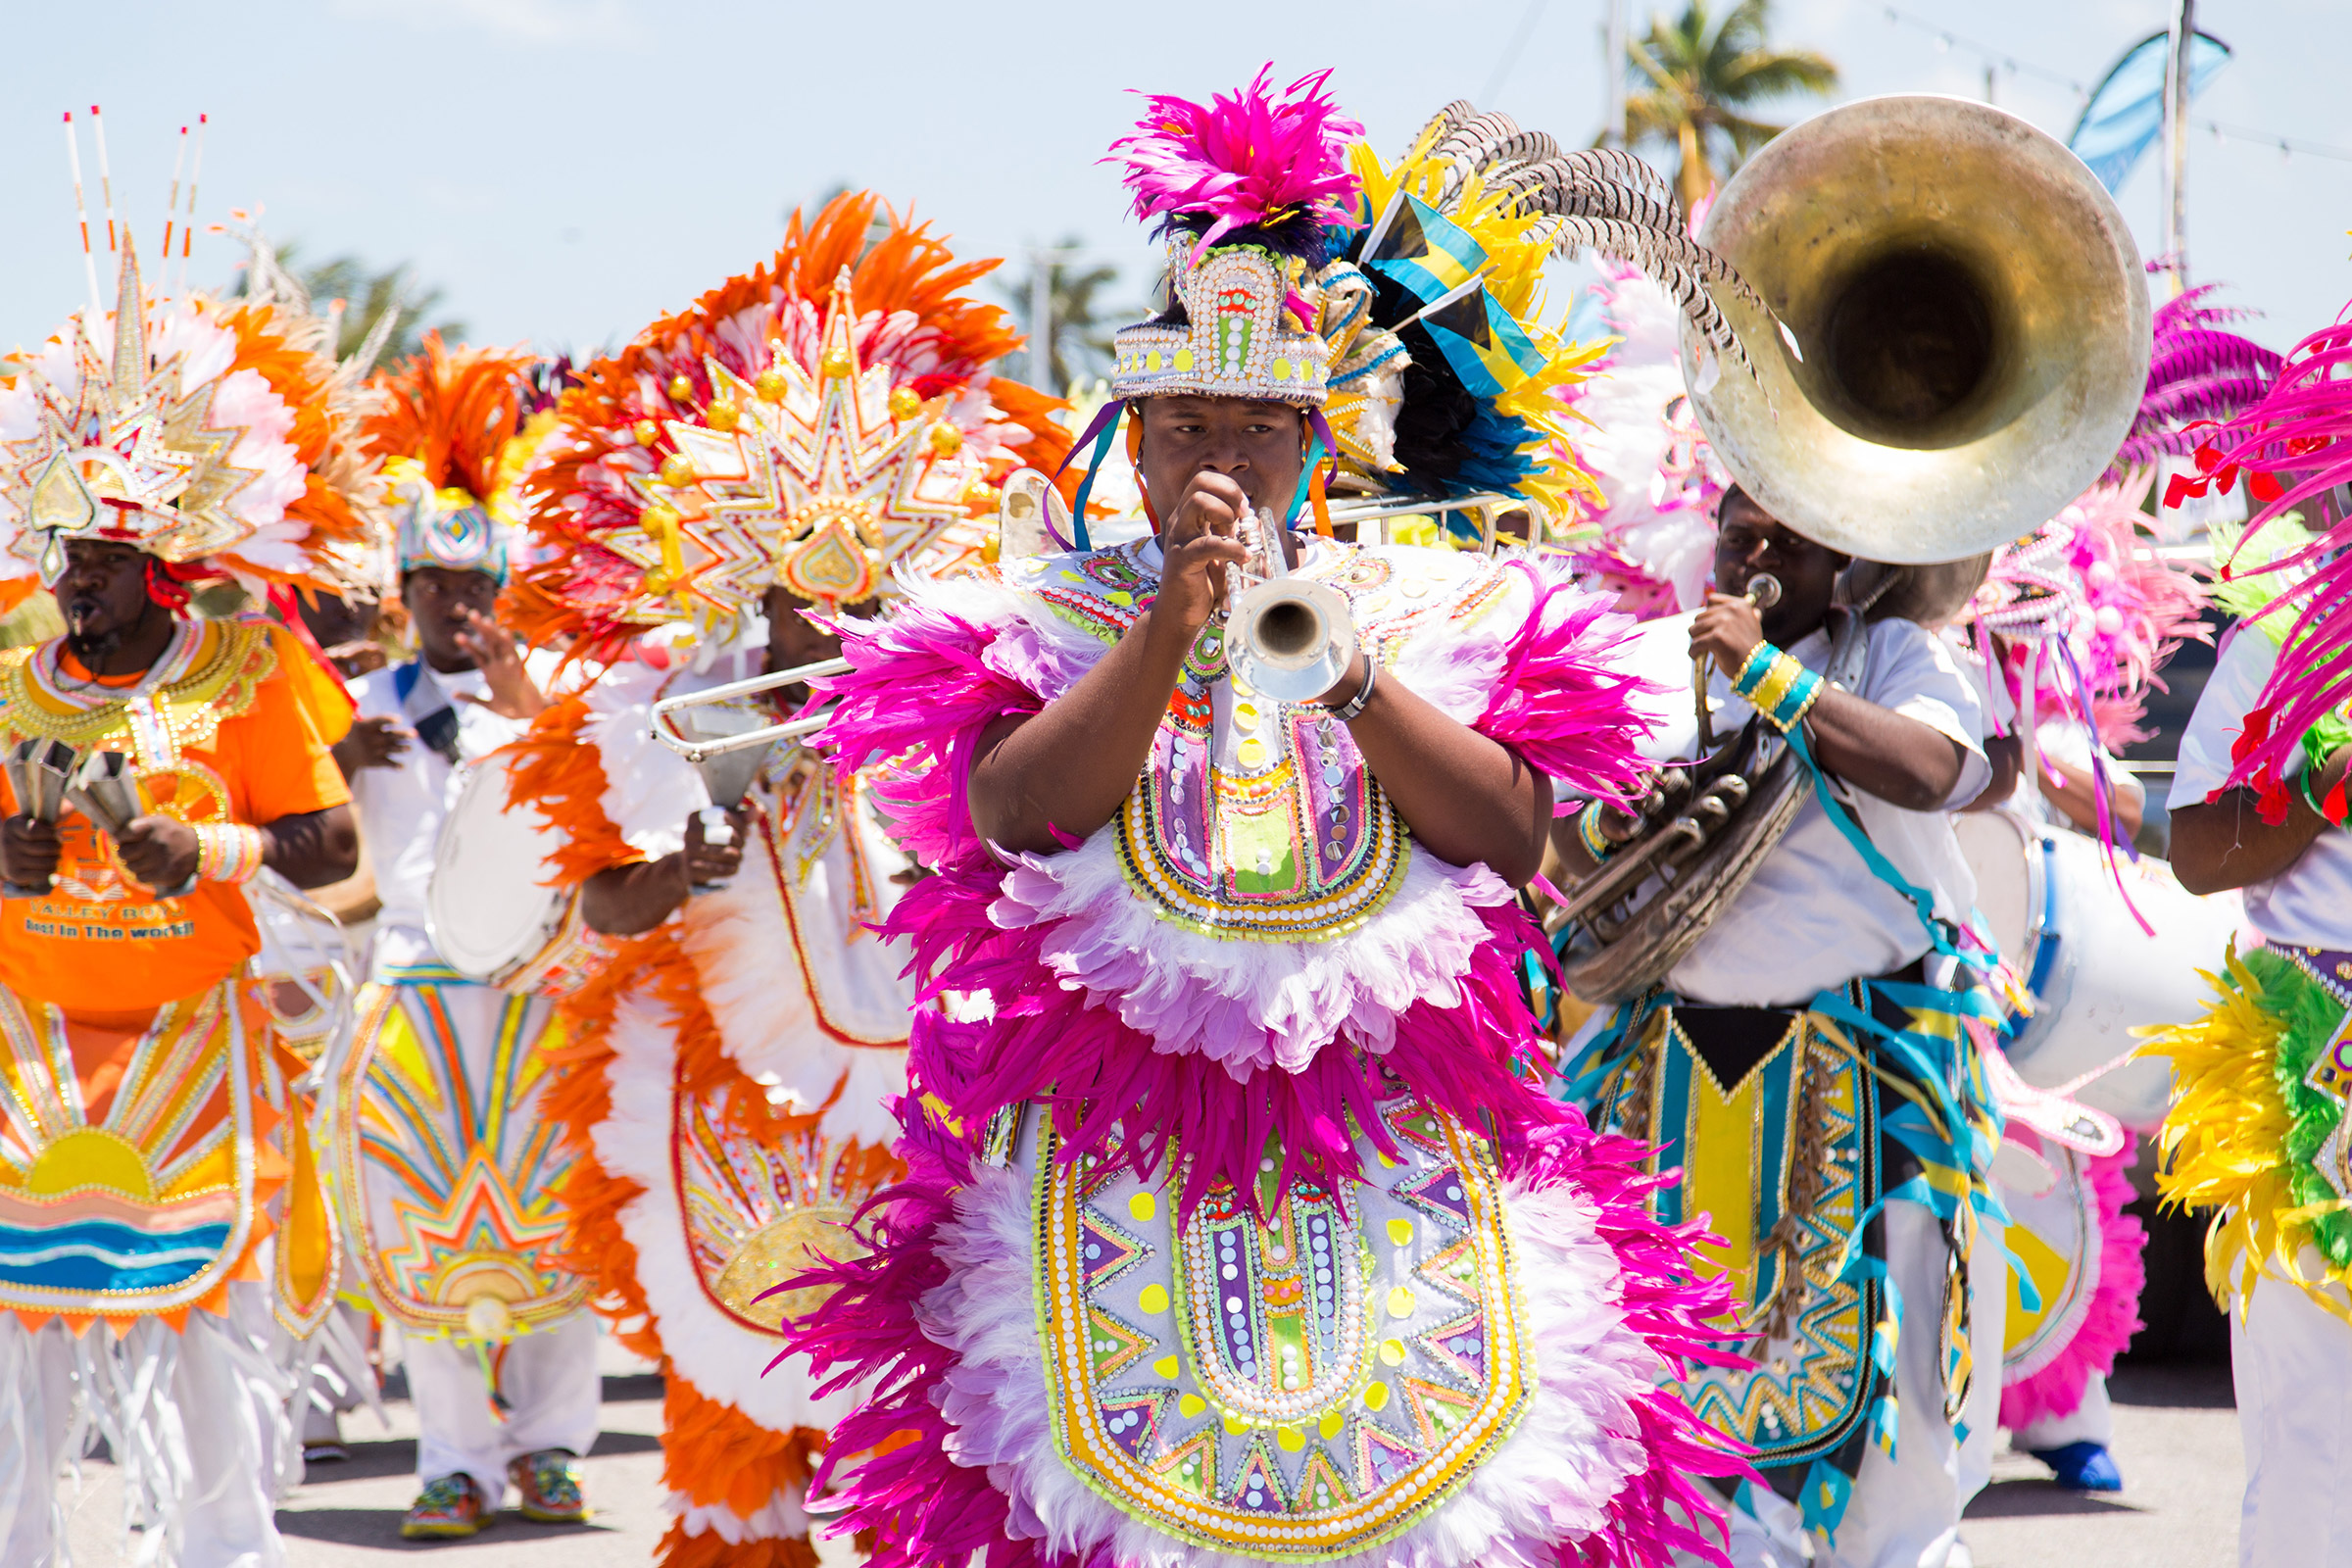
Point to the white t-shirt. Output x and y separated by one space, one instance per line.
2309 903
402 806
1815 915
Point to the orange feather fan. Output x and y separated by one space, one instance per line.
452 413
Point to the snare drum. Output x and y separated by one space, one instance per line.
492 915
2052 907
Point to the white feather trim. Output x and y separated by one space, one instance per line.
1548 1483
780 1518
723 1360
1295 995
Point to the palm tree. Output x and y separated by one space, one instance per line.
365 294
1081 339
1694 79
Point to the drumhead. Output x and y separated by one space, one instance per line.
487 907
1995 845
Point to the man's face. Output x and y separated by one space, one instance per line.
1259 445
792 640
438 598
102 595
1752 540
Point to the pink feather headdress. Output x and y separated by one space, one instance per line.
2199 372
1252 160
2292 446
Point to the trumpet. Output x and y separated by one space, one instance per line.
1290 637
719 731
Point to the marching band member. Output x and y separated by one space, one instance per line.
1858 1230
2257 1129
154 1161
775 449
449 1172
1237 1229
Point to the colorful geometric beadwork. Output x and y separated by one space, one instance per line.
1296 1387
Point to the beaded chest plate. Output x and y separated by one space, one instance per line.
1295 1389
1258 819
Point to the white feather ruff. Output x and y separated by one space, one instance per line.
724 1360
1549 1483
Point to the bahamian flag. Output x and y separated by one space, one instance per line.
1491 353
1424 250
2127 111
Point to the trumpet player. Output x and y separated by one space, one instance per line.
158 1206
1197 1258
1836 968
765 455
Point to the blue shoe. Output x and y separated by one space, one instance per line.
2083 1467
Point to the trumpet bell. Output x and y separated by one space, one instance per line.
1291 638
1972 320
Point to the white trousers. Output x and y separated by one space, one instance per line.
2292 1361
1905 1512
550 1383
199 1456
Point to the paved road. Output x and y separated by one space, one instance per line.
2175 1437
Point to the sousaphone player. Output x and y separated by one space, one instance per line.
1791 982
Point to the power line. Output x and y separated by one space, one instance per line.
2221 131
1510 56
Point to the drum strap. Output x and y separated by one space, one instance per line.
428 708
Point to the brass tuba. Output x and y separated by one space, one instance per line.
1962 339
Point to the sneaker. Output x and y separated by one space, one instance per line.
548 1481
2083 1467
448 1508
324 1453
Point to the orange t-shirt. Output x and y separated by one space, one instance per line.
233 724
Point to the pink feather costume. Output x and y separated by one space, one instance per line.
1238 1230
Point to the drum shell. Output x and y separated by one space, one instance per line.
491 910
2096 977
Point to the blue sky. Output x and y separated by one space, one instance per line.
565 170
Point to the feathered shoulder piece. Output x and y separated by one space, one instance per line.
221 436
2292 446
443 427
803 426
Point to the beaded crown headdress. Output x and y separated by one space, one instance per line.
805 425
215 435
1304 270
447 426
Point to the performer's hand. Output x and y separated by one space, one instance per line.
494 654
1729 627
159 850
28 850
1197 546
378 742
701 862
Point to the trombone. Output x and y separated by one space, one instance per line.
698 748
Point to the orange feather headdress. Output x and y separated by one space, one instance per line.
804 425
445 426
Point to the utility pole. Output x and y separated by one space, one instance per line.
1614 129
1041 262
2177 72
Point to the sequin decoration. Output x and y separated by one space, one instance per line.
1293 1387
759 1210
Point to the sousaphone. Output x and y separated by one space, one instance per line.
1967 340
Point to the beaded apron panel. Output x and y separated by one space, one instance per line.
451 1176
1258 819
133 1200
1783 1164
1293 1390
759 1210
